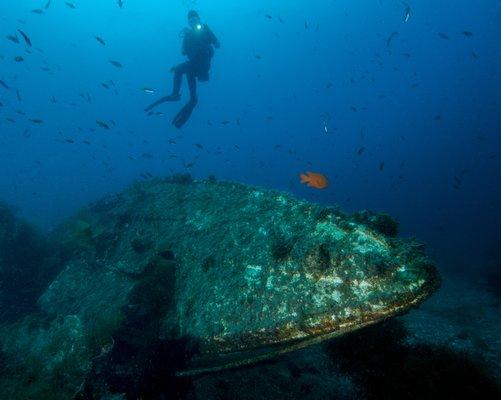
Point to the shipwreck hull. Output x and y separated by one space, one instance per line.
214 359
245 273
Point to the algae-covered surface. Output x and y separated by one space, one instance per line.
241 272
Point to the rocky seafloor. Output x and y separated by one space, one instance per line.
140 295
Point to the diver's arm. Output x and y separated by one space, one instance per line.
183 48
213 38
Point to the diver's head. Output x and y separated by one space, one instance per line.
194 20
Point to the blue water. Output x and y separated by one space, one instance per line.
321 79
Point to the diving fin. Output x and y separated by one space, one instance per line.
183 115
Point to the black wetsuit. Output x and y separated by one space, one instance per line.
198 46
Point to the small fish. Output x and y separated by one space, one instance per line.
13 39
103 125
37 11
105 85
258 57
47 5
25 37
225 122
467 33
116 64
70 5
198 145
18 59
390 38
148 90
18 95
314 180
360 151
86 97
69 141
37 121
120 3
2 83
381 166
100 40
407 13
268 16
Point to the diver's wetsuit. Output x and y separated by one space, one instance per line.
198 47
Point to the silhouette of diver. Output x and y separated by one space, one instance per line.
198 42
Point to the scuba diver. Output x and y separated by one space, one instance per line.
198 42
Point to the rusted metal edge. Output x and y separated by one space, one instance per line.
242 358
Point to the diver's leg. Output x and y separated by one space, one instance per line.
185 113
179 71
192 85
158 102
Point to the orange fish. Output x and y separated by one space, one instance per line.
314 180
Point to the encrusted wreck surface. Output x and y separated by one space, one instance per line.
243 272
